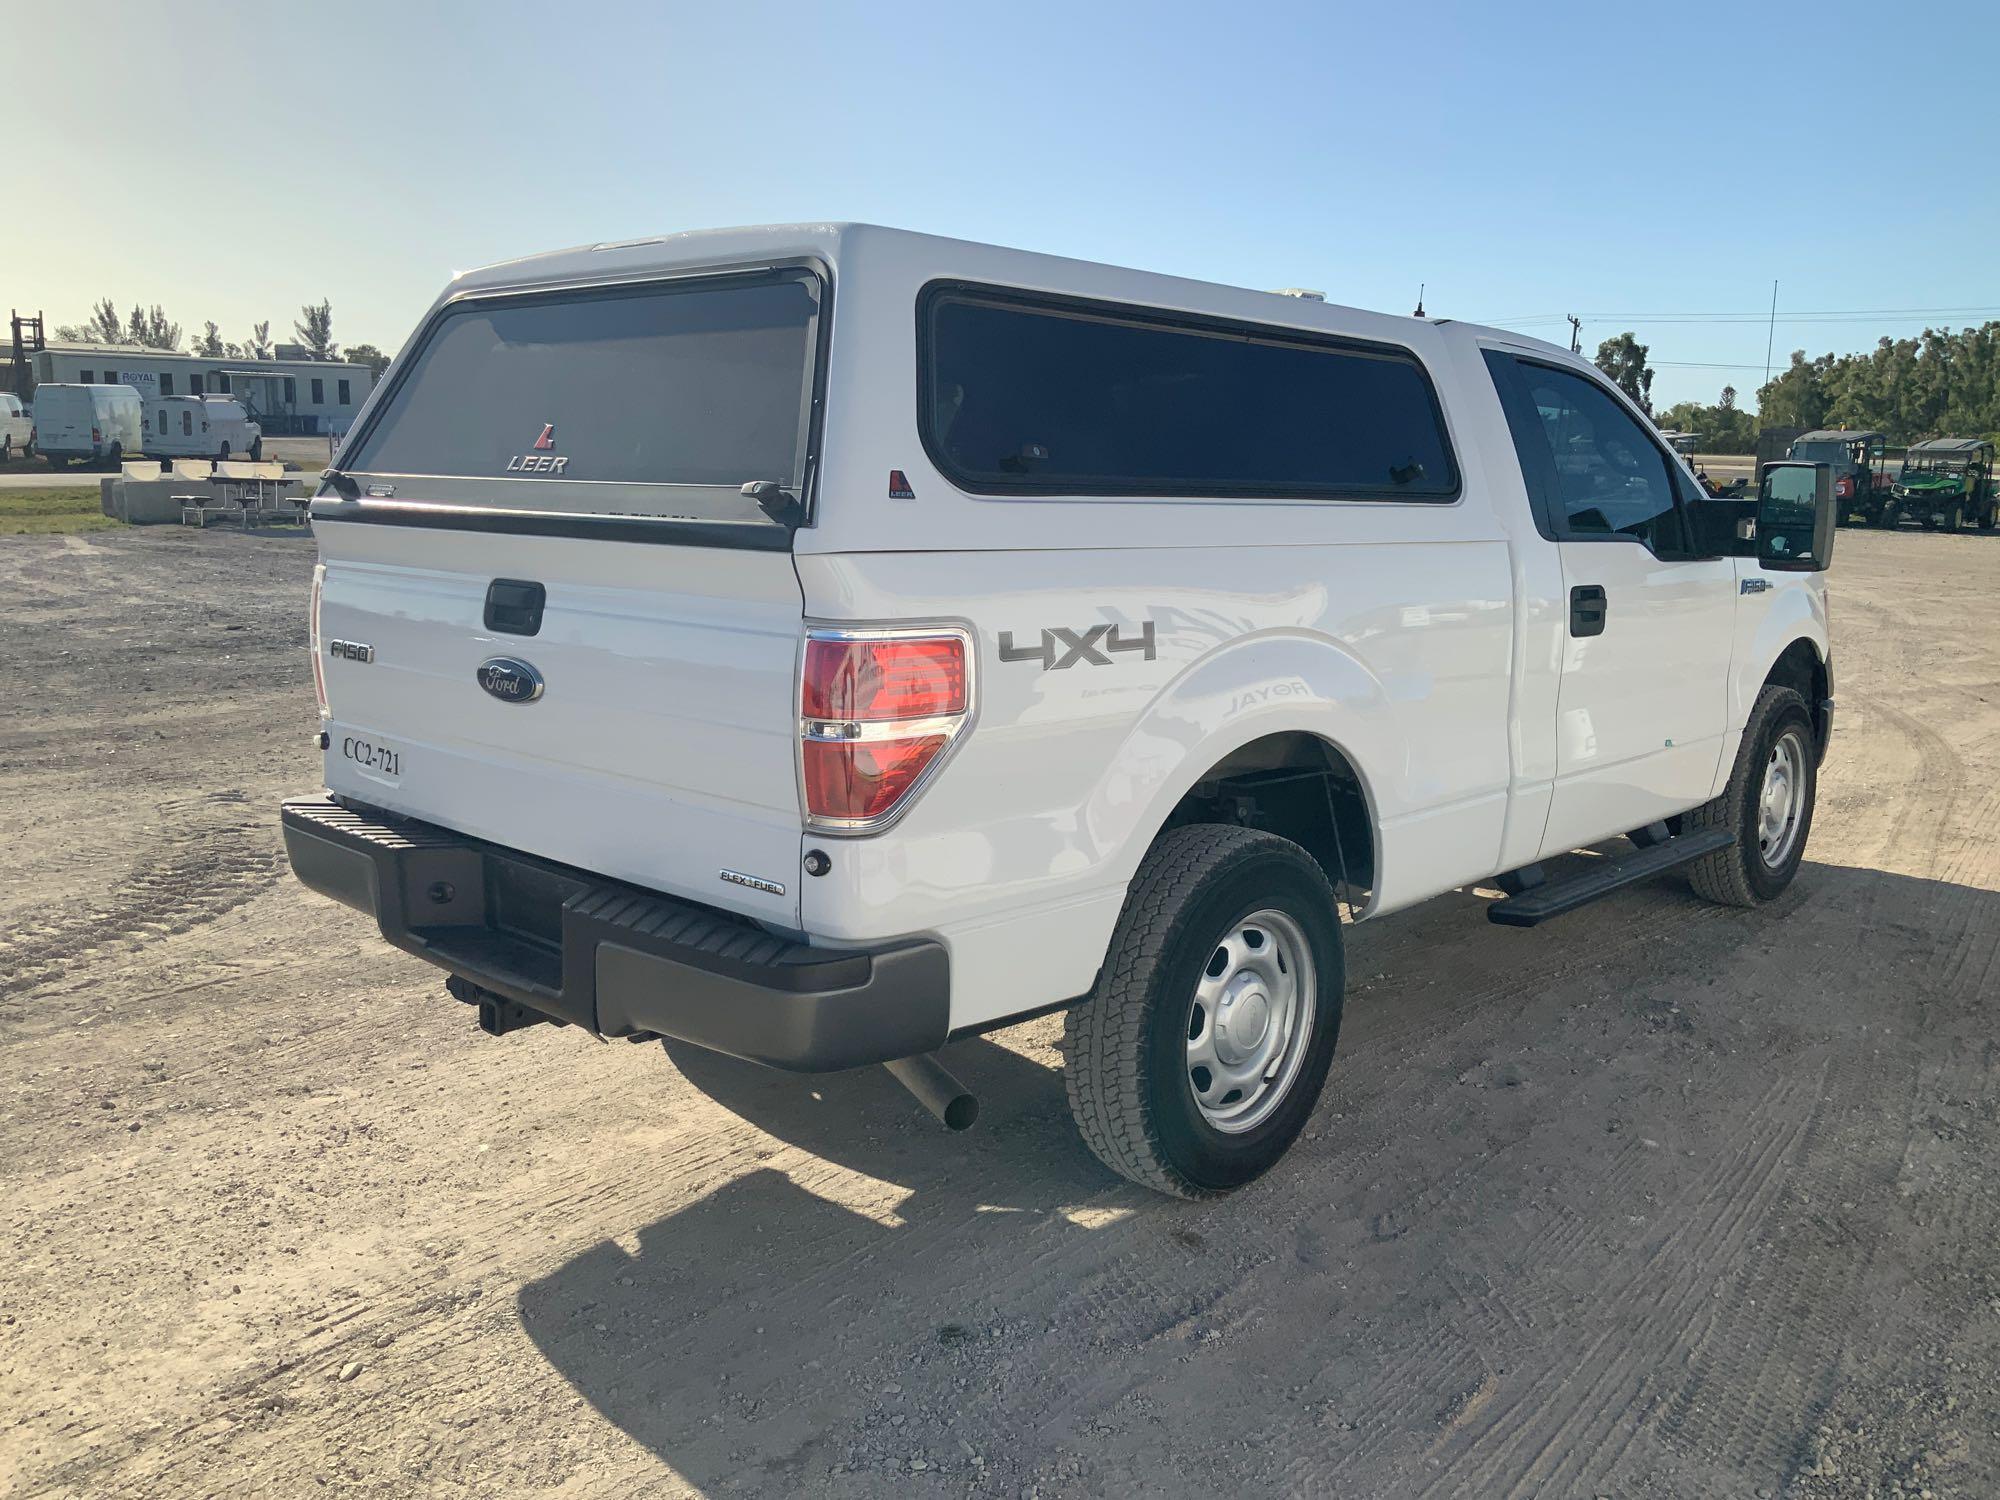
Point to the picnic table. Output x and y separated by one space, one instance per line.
251 490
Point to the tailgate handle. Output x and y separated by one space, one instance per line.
514 606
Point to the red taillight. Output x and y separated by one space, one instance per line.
875 712
96 436
312 639
877 680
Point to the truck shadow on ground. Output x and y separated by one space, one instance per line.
897 1295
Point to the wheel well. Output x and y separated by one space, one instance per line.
1800 669
1299 787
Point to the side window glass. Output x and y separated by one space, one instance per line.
1610 480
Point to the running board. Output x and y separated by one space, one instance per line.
1538 903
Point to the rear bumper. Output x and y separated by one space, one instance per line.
615 959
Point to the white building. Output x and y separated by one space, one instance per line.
285 396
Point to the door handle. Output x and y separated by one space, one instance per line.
1588 607
514 606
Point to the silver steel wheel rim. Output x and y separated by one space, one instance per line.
1250 1021
1782 799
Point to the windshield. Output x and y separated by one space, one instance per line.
656 400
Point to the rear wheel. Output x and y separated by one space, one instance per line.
1768 805
223 453
114 457
1955 517
1198 1059
6 448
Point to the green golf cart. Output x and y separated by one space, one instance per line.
1944 483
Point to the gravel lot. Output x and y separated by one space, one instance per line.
1663 1200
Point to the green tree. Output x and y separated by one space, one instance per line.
260 340
1624 360
103 326
315 330
209 345
149 326
369 355
1937 384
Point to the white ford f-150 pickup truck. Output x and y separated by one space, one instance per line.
817 643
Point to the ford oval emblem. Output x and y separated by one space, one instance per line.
510 679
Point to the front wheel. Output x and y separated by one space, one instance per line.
1768 805
1196 1062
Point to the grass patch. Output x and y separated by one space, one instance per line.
51 512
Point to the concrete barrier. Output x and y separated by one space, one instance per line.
143 502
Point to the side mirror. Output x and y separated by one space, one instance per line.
1795 517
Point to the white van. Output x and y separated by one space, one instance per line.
17 428
88 424
201 427
817 643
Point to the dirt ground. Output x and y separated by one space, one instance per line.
1661 1200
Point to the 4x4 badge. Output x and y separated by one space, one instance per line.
1062 648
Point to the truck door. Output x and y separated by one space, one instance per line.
1643 700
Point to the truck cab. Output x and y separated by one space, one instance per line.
1033 634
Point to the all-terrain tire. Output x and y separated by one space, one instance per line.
1740 875
1126 1047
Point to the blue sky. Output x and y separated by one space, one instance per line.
1621 162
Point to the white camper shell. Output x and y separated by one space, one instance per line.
821 641
88 424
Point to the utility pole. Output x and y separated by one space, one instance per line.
1771 336
1575 333
1944 361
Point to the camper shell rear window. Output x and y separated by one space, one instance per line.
655 401
1026 393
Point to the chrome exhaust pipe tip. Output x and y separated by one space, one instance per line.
936 1090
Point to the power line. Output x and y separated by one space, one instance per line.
1831 315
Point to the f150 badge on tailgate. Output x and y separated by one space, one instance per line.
1062 648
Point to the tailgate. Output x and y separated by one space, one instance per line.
552 615
661 747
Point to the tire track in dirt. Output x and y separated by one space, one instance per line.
1576 1416
219 858
1767 1354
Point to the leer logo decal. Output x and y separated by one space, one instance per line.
539 461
